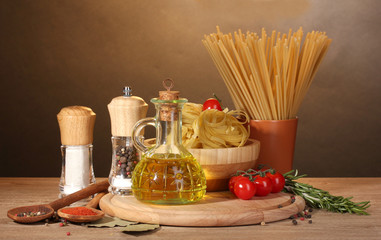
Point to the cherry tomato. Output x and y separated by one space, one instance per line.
211 103
244 188
232 181
263 185
277 181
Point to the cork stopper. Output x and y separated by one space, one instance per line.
168 95
125 111
168 111
76 125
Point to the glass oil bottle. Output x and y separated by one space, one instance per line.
167 172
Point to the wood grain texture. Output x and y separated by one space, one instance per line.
219 164
216 209
124 113
76 125
326 225
219 156
100 186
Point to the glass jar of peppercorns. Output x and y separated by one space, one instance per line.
124 111
124 159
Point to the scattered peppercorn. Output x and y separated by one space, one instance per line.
310 210
309 221
68 233
63 222
308 216
280 206
294 222
263 223
302 218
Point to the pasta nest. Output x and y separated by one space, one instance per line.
213 128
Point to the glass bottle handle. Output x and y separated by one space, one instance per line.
137 137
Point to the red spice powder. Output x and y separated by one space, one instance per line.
78 211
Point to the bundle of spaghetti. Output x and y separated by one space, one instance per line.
213 128
267 76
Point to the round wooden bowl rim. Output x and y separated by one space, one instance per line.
252 146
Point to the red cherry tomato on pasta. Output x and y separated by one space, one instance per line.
244 188
232 181
277 181
211 103
263 185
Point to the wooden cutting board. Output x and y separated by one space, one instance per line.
216 209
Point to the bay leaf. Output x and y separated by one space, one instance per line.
110 222
142 227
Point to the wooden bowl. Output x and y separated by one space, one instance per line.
219 164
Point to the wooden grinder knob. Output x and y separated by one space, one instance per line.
125 111
76 125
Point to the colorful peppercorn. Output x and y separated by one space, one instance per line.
127 159
30 214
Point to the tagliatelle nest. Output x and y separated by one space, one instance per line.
213 128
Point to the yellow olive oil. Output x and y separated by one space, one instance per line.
168 180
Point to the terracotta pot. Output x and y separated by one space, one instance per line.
277 138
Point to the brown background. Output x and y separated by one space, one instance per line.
60 53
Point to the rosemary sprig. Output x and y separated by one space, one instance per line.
317 198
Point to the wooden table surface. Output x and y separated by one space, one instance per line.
326 225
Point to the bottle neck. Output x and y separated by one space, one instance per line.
169 117
168 123
170 133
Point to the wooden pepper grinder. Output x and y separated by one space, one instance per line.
76 127
124 111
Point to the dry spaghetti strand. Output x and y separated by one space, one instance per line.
267 76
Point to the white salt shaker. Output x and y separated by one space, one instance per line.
76 127
124 111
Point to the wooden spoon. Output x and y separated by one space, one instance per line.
92 205
49 209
